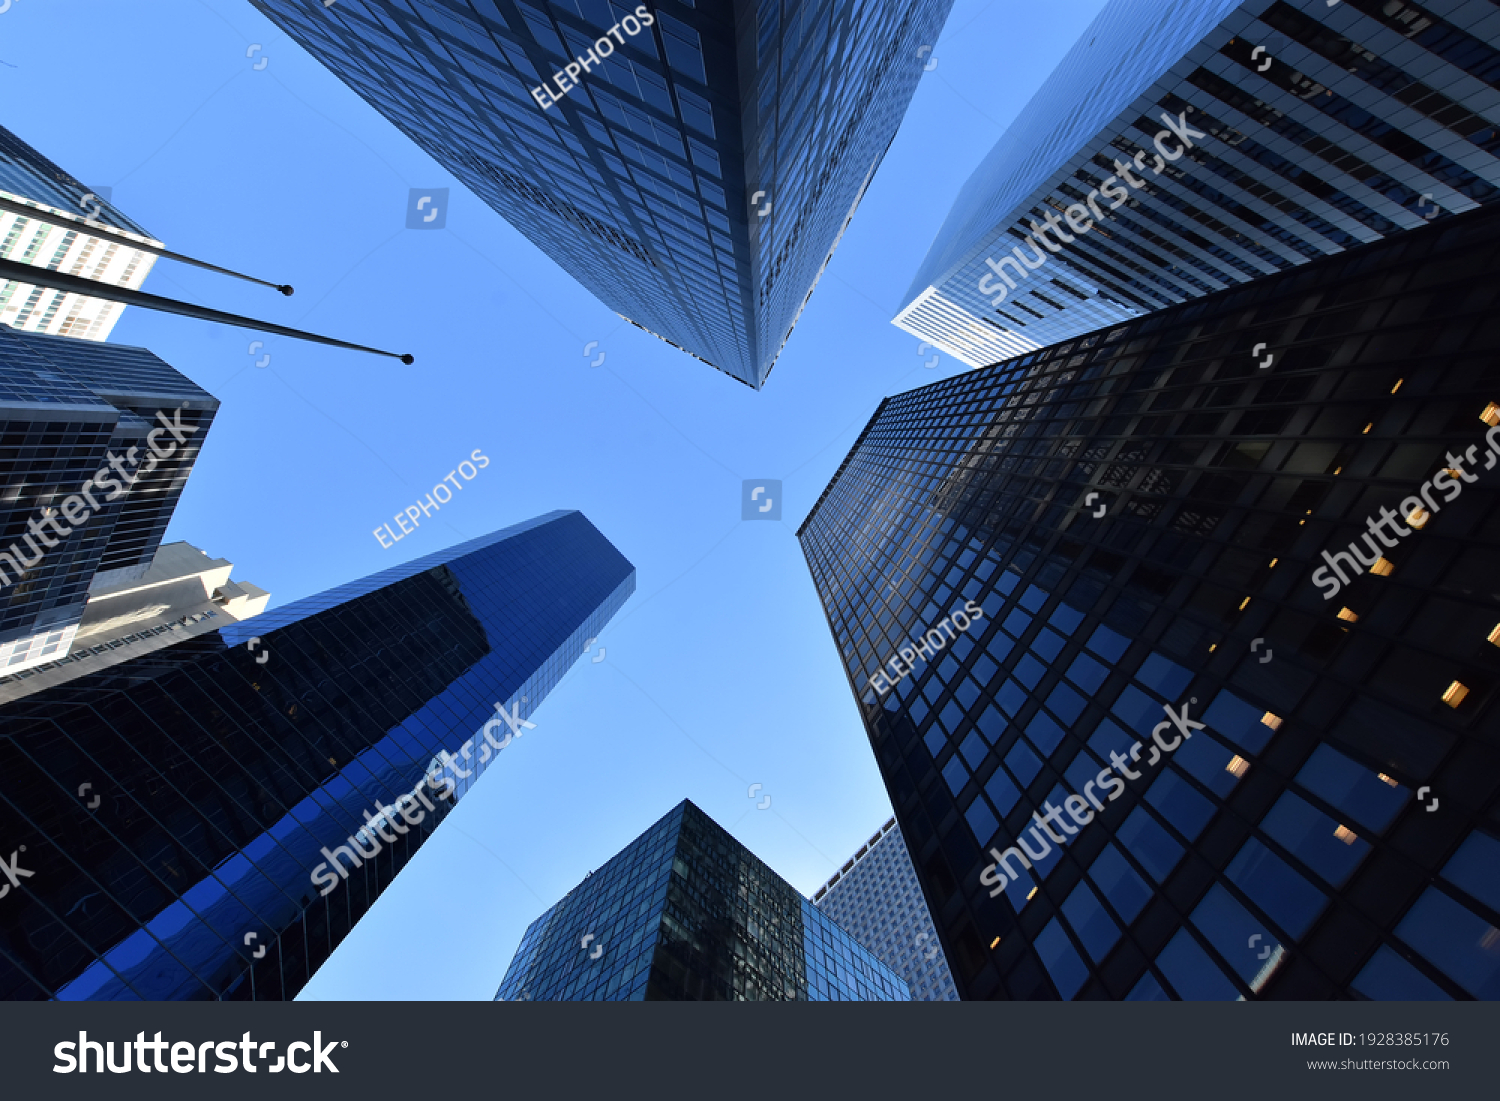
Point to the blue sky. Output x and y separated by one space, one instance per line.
719 672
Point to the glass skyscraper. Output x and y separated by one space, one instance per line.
211 819
687 913
66 407
28 177
699 173
876 896
1289 130
1193 729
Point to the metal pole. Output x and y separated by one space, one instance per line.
96 229
56 280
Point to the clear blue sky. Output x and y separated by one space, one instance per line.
720 671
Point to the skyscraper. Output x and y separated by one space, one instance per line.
687 913
694 171
1187 146
1177 644
30 178
210 820
87 490
876 896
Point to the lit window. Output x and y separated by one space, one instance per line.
1346 835
994 942
1347 616
1455 694
1396 387
1273 721
1243 603
1390 780
1030 893
1237 765
1383 567
1369 426
1495 635
1418 518
1491 414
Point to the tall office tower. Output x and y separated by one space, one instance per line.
84 499
695 176
29 178
686 913
877 898
1269 512
1271 133
209 820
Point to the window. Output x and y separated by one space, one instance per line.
1061 959
1180 804
1127 892
982 821
1476 868
1290 901
1327 847
1238 721
1002 792
1351 788
1095 928
1243 940
1389 978
1194 976
1023 762
1462 945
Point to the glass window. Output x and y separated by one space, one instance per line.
951 716
1107 644
1194 976
984 669
1290 901
967 693
1033 598
935 740
991 724
1061 959
1476 868
982 821
1017 622
1461 944
1238 721
973 749
1095 928
1087 673
1002 792
1207 760
1028 671
1352 788
1011 698
1180 804
1127 892
1138 711
1107 737
1327 847
1165 677
1023 762
1043 732
1067 703
1244 941
1147 990
1048 643
1065 618
1000 646
1389 978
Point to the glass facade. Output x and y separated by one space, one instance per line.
687 913
696 179
249 804
876 897
1315 128
1151 517
30 178
66 405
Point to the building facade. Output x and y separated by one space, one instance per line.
1187 146
687 913
1192 728
211 819
28 177
695 174
877 898
86 491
